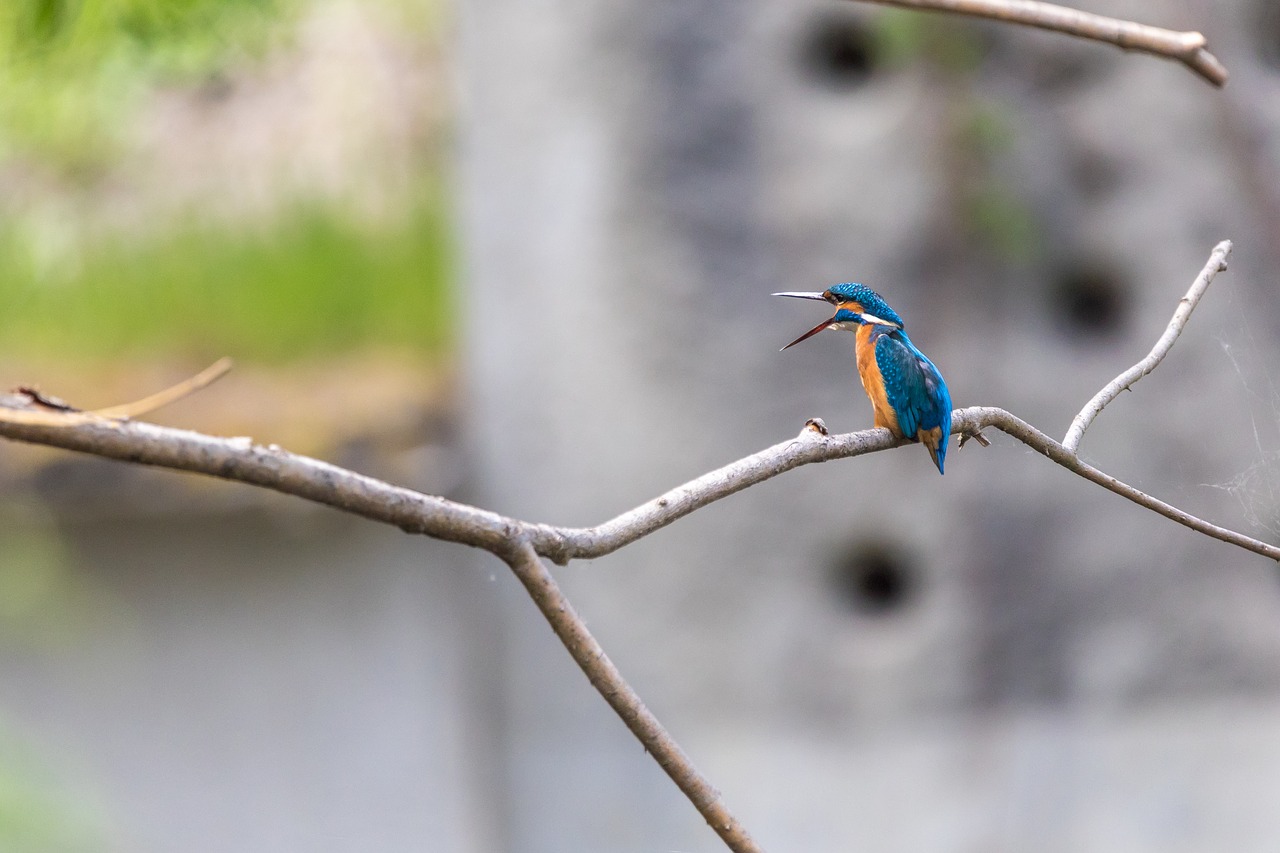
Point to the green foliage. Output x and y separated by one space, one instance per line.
313 281
37 814
981 135
905 37
34 571
70 68
1001 222
995 214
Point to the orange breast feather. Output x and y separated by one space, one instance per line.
873 383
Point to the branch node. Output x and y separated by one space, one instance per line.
1193 41
44 401
815 425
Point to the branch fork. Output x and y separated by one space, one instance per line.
30 416
522 544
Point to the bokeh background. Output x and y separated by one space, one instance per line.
519 253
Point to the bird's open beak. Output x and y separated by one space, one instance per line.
809 334
818 328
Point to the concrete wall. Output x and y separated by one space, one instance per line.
265 678
864 655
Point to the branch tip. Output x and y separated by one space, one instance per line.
170 395
1124 382
815 425
1189 48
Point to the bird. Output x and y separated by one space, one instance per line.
908 394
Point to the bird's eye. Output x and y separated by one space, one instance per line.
832 298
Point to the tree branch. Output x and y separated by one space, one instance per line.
271 467
1216 263
606 678
978 417
810 446
241 460
31 417
1185 47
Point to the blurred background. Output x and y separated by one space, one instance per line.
519 253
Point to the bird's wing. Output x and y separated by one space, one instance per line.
912 385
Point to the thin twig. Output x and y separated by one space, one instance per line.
45 412
606 678
243 461
170 395
1216 263
1036 440
588 543
1185 47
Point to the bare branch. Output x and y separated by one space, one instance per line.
32 417
564 544
1216 263
1186 47
978 417
811 445
606 678
241 460
47 411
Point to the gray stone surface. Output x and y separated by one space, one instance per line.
1063 671
861 655
241 684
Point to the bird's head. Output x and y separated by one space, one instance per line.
856 305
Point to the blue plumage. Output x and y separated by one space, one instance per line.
870 301
914 389
908 394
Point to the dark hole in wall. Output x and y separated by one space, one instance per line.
836 52
1089 299
1063 73
874 578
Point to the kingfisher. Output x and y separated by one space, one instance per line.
908 394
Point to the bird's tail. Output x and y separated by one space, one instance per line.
939 455
936 442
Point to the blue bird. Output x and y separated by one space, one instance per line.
907 392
